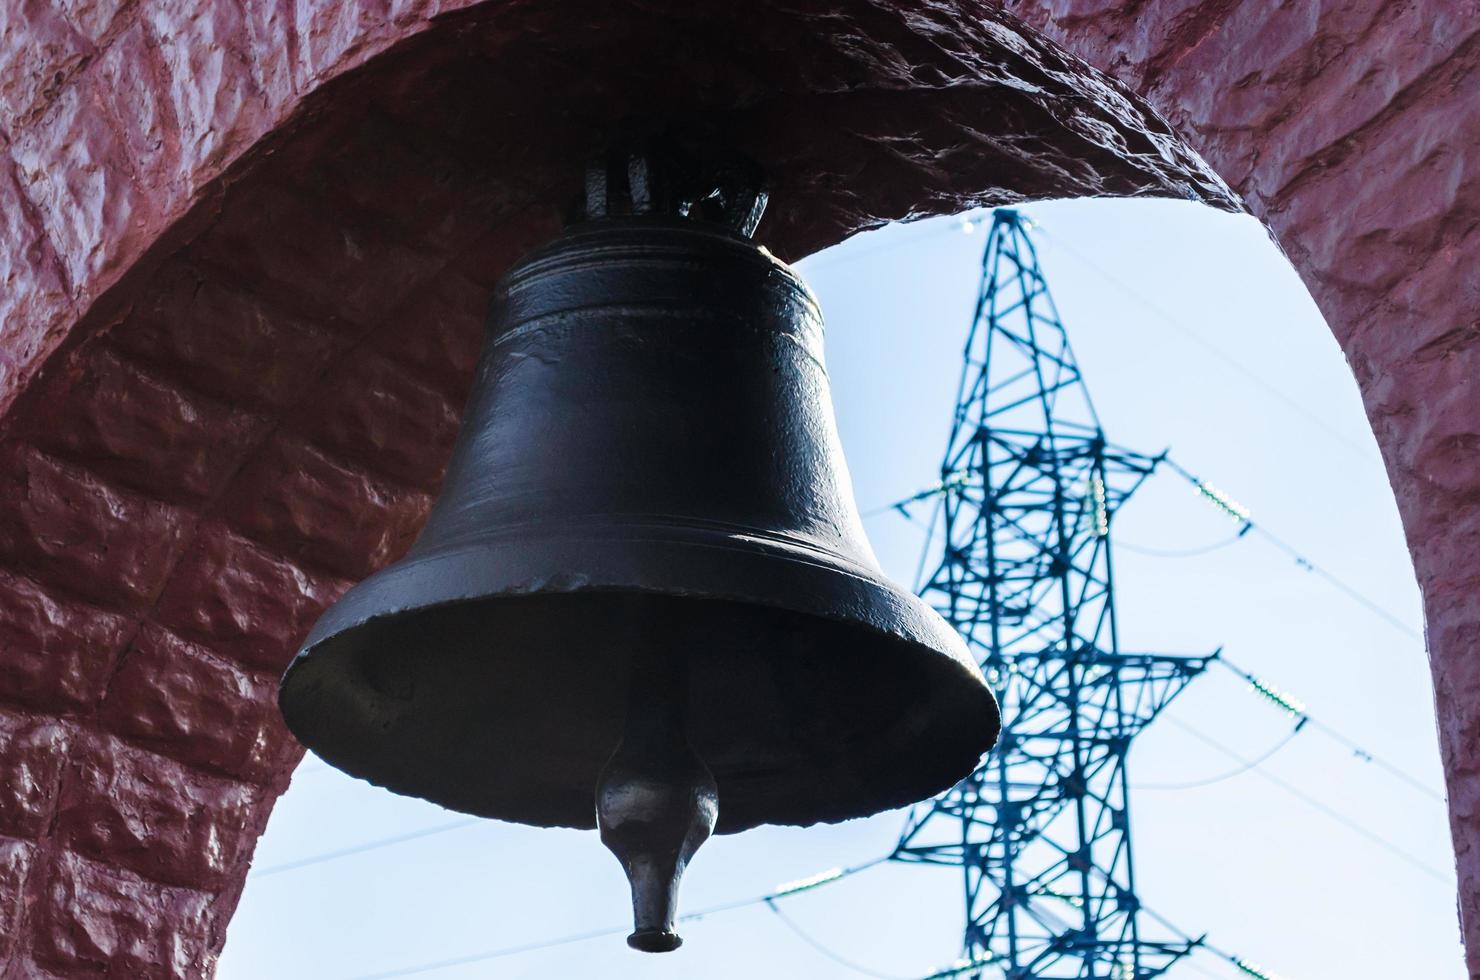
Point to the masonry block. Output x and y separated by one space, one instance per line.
129 70
155 816
179 700
34 300
39 50
93 919
216 97
74 166
33 751
243 602
56 654
373 414
142 432
208 334
72 530
317 257
299 502
443 337
15 865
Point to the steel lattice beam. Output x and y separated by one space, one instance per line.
1029 487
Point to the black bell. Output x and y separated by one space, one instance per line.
646 538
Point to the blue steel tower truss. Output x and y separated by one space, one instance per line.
1029 488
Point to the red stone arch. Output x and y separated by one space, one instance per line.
246 249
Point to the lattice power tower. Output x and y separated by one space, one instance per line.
1028 490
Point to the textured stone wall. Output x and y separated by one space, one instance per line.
247 245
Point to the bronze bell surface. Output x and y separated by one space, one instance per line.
644 599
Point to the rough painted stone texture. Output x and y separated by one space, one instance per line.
245 247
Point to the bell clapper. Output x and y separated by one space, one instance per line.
656 800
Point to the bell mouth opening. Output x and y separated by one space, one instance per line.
508 706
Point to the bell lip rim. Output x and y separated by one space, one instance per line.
948 642
923 628
963 664
970 671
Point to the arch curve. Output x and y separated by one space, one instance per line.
247 254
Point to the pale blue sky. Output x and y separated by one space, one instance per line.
1194 333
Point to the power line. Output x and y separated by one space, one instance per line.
901 507
964 224
1213 349
1304 719
968 222
824 951
1220 500
1194 944
1228 506
781 891
770 901
1230 774
1266 690
1218 352
1189 964
1223 502
1297 709
373 845
1177 552
1244 966
827 877
1371 605
1312 802
494 954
